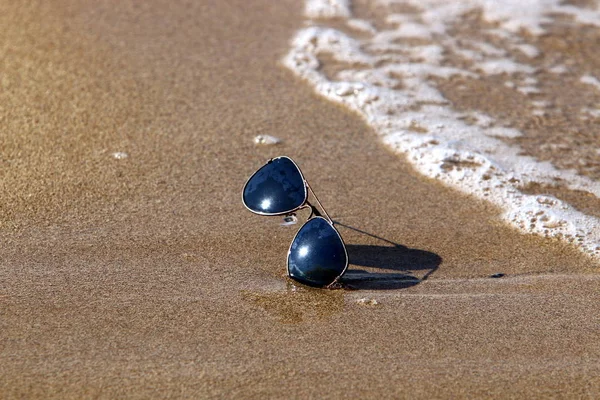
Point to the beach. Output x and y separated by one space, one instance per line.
130 268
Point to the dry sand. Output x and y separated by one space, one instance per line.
145 277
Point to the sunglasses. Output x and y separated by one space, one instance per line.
317 255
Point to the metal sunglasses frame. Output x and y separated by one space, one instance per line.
314 213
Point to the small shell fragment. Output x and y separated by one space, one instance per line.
367 302
120 155
266 140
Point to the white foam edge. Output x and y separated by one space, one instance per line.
511 15
590 80
585 16
559 69
327 9
361 25
504 66
528 49
428 153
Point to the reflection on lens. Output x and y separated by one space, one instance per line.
265 204
276 188
303 251
317 256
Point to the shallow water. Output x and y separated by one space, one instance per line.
496 99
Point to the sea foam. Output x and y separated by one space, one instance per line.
389 77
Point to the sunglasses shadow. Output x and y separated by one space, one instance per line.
407 267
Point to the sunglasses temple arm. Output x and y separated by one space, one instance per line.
314 210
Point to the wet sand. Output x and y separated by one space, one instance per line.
145 277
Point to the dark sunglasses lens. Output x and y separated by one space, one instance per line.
317 255
276 188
